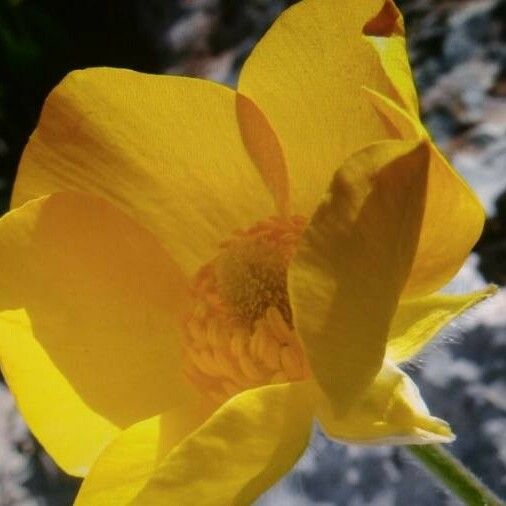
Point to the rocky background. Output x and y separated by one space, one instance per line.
458 51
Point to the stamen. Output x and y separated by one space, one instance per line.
240 333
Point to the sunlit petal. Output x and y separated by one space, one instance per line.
127 464
245 447
417 321
67 427
174 153
306 74
232 458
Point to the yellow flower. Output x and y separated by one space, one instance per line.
190 274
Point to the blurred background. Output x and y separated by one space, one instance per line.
458 53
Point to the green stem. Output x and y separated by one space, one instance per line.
462 482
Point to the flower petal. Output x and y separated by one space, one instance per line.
103 298
242 450
390 412
304 76
126 465
70 431
256 437
444 243
353 261
168 151
417 321
386 33
387 22
265 150
407 126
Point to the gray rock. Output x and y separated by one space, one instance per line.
468 31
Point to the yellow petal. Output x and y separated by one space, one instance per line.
444 243
452 224
388 21
407 125
265 150
242 450
168 151
386 33
417 321
353 261
70 431
103 299
306 74
390 412
126 465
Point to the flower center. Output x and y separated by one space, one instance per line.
240 333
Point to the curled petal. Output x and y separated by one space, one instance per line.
391 412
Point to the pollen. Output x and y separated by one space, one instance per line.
240 333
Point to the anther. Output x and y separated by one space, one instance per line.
240 333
